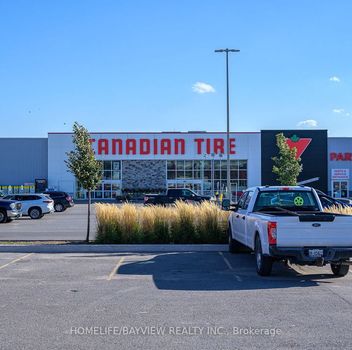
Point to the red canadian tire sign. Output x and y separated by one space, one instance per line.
165 145
300 144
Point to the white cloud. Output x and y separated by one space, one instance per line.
202 88
341 111
335 79
309 123
338 110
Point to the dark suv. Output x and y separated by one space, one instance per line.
9 210
62 200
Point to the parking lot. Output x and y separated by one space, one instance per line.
169 300
68 225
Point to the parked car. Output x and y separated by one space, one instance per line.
346 201
9 210
287 223
62 200
33 205
174 194
328 201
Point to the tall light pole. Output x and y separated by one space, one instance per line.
228 177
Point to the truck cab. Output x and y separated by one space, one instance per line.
9 210
174 194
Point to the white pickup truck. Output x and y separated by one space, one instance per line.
288 223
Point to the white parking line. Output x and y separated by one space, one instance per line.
113 272
18 259
238 278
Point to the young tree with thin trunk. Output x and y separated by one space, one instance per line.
82 164
287 166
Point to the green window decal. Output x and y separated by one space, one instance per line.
298 201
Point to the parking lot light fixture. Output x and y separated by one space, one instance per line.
228 178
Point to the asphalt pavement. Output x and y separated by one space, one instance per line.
185 300
68 225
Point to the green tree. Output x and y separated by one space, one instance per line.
82 164
287 166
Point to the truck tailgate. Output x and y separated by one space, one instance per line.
291 232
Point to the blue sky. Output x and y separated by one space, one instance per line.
133 65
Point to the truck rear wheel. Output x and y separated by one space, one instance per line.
234 245
339 269
264 262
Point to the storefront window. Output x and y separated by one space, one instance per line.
116 175
188 175
242 164
180 165
112 170
207 164
197 174
171 165
188 165
171 175
116 165
188 169
207 176
340 189
197 169
109 187
234 174
97 194
242 174
107 175
180 175
107 165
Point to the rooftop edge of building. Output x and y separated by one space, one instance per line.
158 132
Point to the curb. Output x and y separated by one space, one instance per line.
112 248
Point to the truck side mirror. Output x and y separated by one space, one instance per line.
225 204
234 207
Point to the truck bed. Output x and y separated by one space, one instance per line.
311 229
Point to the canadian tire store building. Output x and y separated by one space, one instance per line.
147 162
153 162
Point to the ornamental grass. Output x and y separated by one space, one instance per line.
339 209
179 223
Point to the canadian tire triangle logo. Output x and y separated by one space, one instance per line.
300 144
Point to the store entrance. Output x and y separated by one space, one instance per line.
340 189
107 189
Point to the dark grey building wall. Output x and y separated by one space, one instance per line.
144 174
23 160
314 158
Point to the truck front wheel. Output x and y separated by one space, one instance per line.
339 269
3 216
264 262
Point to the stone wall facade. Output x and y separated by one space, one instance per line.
143 174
